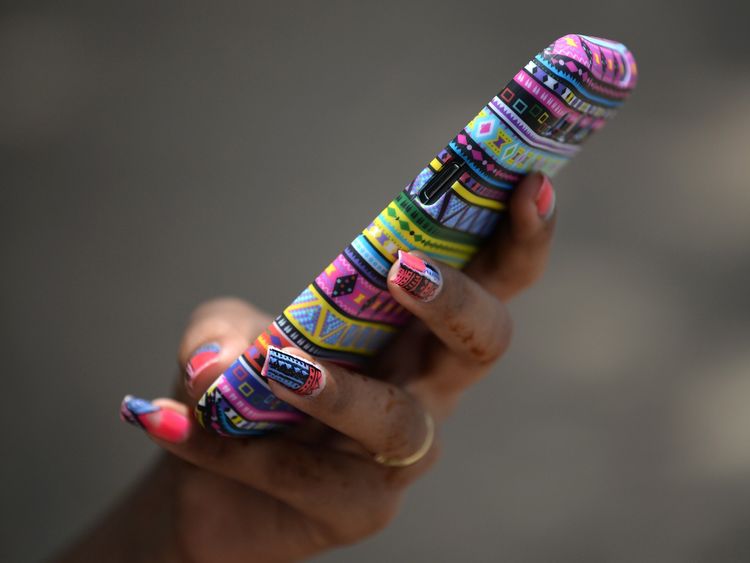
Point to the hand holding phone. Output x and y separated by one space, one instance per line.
346 315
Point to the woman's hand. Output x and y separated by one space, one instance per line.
290 495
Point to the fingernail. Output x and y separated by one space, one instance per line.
545 200
295 373
162 423
204 356
417 277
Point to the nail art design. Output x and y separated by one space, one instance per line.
161 423
299 375
545 200
417 277
203 357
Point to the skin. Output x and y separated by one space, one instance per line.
289 496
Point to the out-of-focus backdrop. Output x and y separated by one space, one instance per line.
154 156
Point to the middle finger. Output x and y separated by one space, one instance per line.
382 417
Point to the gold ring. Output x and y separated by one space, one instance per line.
416 456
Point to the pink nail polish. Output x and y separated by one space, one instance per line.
205 356
417 277
545 200
161 423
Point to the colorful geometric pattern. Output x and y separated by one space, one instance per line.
536 123
302 377
417 277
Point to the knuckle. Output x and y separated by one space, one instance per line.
483 343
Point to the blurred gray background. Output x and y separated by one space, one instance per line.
147 151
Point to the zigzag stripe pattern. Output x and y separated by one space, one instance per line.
535 123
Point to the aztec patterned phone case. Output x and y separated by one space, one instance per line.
346 315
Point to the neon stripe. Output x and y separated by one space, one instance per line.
485 178
430 226
456 259
373 258
473 198
447 245
429 245
580 90
374 330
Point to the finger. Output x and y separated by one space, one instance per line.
470 321
322 483
170 424
217 333
382 417
517 255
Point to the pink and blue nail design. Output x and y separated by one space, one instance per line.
161 423
417 277
295 373
203 357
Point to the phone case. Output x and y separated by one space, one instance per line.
346 315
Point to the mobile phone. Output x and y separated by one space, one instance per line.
346 315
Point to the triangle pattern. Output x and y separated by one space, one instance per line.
307 317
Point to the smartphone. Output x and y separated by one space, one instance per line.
537 122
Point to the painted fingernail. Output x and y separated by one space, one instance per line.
162 423
545 199
204 356
299 375
417 277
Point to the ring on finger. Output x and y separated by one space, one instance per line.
416 456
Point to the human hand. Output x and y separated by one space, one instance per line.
289 495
